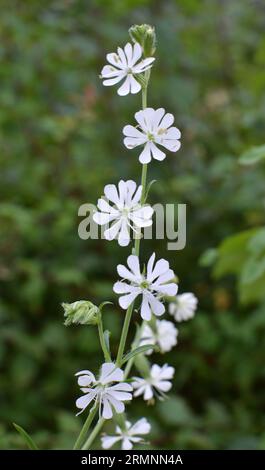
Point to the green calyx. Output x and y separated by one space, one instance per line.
145 35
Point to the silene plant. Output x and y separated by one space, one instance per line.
142 286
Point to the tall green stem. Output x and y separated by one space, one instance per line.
86 427
136 249
128 316
94 434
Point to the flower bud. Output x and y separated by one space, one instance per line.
81 312
145 35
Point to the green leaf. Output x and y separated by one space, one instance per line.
253 155
136 351
29 441
175 412
208 257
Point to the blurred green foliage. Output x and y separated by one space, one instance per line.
61 141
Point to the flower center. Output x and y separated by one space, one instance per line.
150 136
129 71
144 284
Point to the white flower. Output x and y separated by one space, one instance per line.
108 396
184 307
157 383
125 64
128 436
154 127
164 335
125 213
152 286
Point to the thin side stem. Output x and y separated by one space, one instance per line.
85 427
94 434
102 340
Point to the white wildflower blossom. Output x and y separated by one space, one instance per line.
109 396
164 334
125 65
158 382
132 434
154 128
184 307
152 286
124 213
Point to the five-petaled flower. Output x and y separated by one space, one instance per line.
157 383
184 307
154 128
125 213
125 64
163 333
131 434
152 286
109 397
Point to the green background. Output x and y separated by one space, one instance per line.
61 142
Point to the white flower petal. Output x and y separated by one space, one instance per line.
117 404
112 232
101 218
113 81
111 193
140 427
124 235
133 263
156 152
108 441
146 313
114 59
129 53
84 401
125 88
167 121
135 86
126 300
145 155
107 412
110 373
137 53
126 444
122 287
156 306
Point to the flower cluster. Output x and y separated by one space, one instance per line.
142 288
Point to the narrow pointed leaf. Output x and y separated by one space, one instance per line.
28 440
136 351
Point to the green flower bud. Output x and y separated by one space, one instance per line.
81 312
145 35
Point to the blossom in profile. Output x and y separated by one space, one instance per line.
152 286
154 129
121 211
163 334
130 435
108 390
126 64
157 383
184 307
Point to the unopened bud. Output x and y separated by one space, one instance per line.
81 312
145 35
